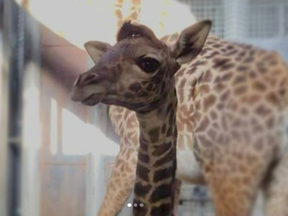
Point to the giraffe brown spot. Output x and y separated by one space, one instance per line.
166 158
161 192
239 79
246 136
238 58
257 129
272 81
139 210
246 180
163 209
208 102
154 134
237 123
143 157
204 89
207 168
220 62
143 144
220 106
249 59
236 135
212 134
163 129
251 159
252 74
259 86
243 53
216 125
284 82
213 115
197 63
212 55
142 172
197 105
141 190
163 174
230 47
217 45
161 149
262 110
270 122
242 68
282 92
172 118
203 125
224 96
240 90
227 76
183 82
259 145
233 52
169 132
227 66
204 141
219 87
272 98
207 76
254 98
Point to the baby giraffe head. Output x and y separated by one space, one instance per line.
138 71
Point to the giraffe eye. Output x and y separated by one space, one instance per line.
149 65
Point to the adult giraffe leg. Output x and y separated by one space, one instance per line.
276 191
121 182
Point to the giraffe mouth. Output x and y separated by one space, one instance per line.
92 100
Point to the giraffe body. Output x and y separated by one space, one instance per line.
232 117
138 73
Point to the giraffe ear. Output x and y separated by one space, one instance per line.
191 41
96 49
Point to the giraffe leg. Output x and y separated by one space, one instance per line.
234 183
276 191
121 182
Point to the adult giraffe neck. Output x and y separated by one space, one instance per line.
156 166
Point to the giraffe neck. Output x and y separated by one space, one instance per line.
156 166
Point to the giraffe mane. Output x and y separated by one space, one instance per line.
133 30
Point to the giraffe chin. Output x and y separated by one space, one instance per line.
92 100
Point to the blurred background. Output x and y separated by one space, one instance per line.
56 156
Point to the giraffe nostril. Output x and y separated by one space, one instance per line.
85 79
90 79
77 81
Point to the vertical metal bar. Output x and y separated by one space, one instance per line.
3 118
16 42
31 132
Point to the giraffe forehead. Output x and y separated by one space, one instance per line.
135 47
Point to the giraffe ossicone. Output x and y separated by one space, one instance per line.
138 73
